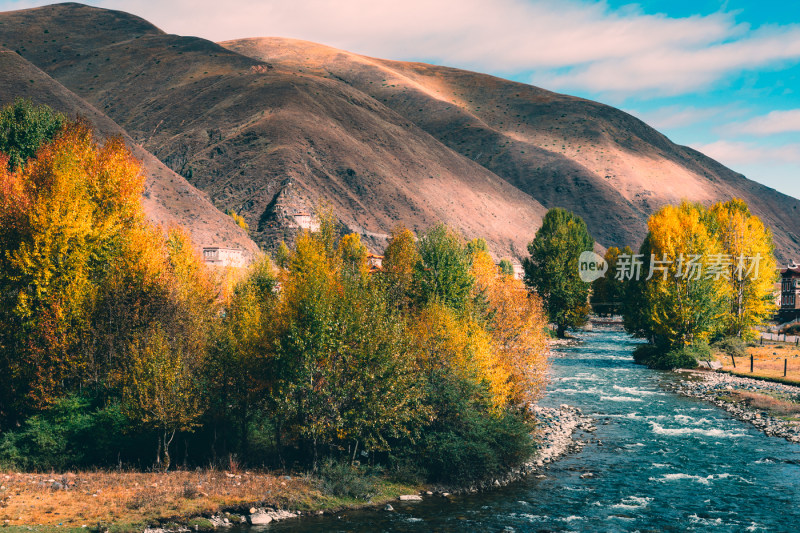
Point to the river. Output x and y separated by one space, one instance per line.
664 463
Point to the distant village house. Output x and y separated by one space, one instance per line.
224 257
375 262
790 293
306 221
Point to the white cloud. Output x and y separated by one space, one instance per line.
678 68
732 153
678 116
567 44
770 124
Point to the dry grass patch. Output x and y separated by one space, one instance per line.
768 361
90 498
775 406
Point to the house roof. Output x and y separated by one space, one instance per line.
791 270
221 249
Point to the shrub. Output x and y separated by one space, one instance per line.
732 346
71 433
643 353
469 441
485 447
668 359
341 479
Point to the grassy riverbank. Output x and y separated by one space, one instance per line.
122 501
768 363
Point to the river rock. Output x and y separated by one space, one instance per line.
260 519
410 498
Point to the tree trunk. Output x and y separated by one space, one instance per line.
167 443
560 331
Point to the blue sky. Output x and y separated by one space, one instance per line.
722 77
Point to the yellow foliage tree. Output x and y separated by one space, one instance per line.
750 266
684 303
62 217
354 255
399 261
161 389
517 325
458 343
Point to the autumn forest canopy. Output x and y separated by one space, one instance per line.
119 346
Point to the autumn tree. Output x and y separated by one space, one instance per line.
239 219
61 219
240 377
161 389
552 268
85 279
748 261
343 370
482 362
516 321
683 304
353 255
399 265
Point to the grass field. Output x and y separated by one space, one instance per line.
768 361
120 501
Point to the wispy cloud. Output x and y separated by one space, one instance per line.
772 123
680 67
678 116
567 44
733 153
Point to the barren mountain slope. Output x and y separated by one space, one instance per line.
168 199
600 162
265 140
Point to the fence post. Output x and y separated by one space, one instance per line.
751 363
784 367
733 361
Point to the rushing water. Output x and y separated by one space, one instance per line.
664 463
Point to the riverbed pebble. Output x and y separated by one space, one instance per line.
710 386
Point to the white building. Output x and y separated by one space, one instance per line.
306 221
224 257
374 262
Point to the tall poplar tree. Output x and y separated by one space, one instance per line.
552 268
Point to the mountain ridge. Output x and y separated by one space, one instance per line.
429 96
168 199
273 126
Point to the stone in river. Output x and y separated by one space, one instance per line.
260 519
